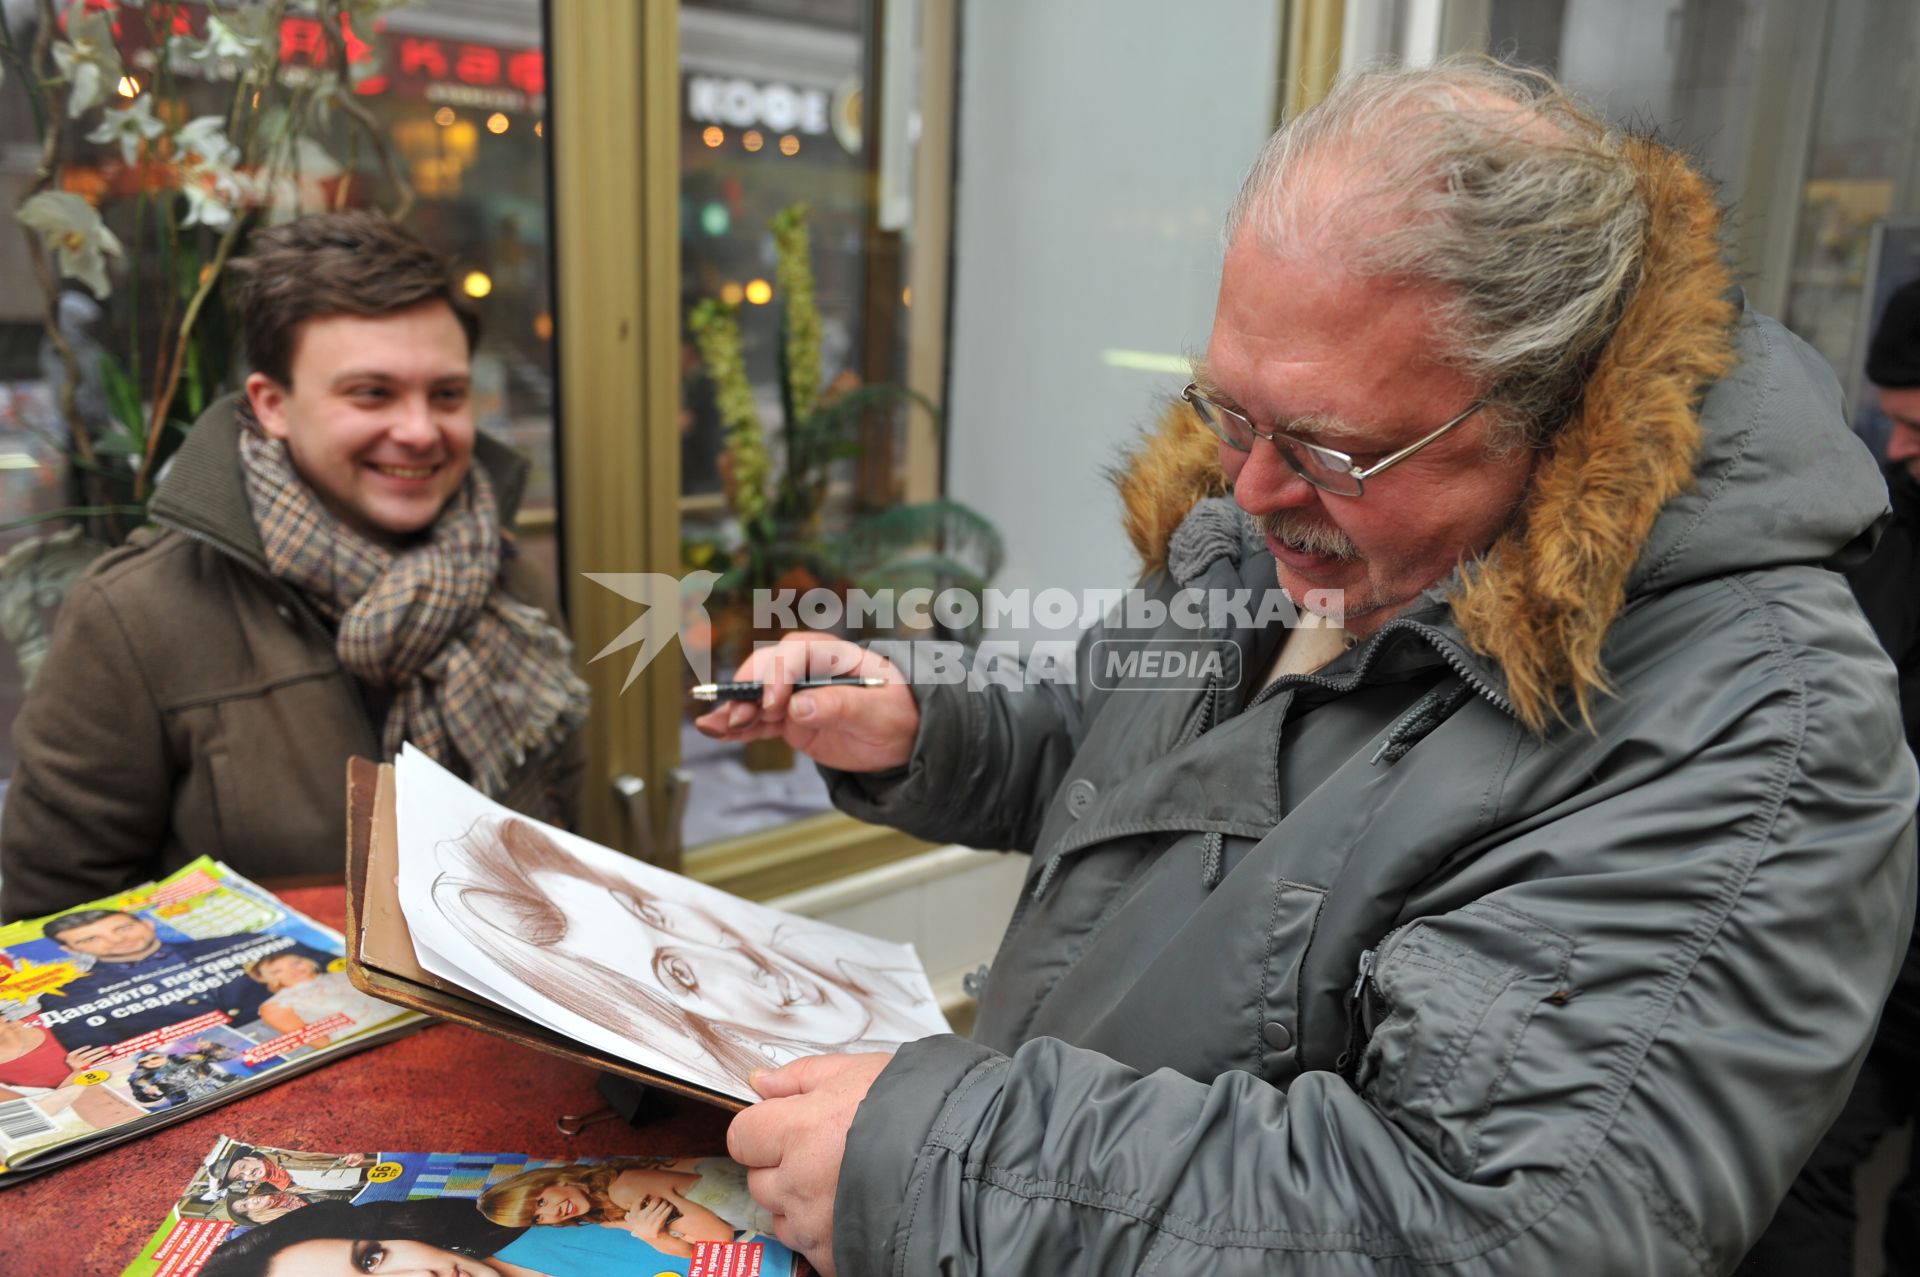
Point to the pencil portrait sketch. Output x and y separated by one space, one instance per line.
675 975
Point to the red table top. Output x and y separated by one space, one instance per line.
446 1088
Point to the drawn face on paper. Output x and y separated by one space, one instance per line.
706 968
559 1203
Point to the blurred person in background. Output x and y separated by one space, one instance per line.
1814 1229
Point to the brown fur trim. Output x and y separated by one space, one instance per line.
1176 467
1541 603
1542 600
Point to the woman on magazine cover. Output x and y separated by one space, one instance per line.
332 1239
35 1066
669 1204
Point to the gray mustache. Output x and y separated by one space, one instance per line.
1300 534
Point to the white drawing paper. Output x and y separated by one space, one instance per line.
674 975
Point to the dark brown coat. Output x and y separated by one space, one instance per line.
191 704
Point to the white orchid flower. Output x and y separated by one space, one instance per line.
239 37
129 127
71 229
88 59
221 41
213 192
203 141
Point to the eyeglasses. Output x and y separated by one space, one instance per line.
1326 468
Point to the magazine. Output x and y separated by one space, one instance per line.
250 1207
151 1005
593 947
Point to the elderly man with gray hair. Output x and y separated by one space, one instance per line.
1533 922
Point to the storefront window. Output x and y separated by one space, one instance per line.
1685 69
774 121
1859 173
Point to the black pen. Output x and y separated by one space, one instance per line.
752 691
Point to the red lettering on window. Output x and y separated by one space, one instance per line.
302 38
527 71
422 57
358 50
478 64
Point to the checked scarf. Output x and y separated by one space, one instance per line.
480 682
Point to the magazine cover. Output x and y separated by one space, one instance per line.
155 1003
254 1209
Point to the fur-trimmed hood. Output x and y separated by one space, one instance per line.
1650 485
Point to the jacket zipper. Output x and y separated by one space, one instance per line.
1435 639
1361 1000
1203 720
1357 1032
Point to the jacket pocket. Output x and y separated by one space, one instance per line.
1447 1002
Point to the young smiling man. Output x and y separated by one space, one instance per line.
328 573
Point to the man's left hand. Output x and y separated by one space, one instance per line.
792 1143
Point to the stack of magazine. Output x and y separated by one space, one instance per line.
251 1208
152 1005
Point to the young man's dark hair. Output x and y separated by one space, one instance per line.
54 928
344 264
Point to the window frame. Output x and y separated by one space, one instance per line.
615 91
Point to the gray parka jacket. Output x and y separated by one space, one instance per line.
1363 973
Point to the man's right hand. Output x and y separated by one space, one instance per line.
855 729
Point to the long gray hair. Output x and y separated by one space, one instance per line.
1486 182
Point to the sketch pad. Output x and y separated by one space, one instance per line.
464 908
380 954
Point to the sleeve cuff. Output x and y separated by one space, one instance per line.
890 1131
906 797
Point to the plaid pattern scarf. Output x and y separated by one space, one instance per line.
480 682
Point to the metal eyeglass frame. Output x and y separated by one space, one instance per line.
1337 462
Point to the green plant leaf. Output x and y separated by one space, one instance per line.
194 383
123 397
835 415
957 531
927 571
119 443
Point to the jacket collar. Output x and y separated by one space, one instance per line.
204 496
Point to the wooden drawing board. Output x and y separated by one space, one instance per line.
380 955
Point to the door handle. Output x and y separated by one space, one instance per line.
631 791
